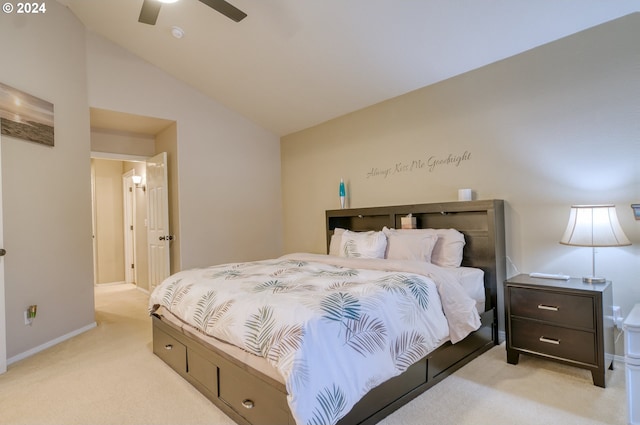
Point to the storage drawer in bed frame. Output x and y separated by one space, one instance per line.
170 350
243 396
249 397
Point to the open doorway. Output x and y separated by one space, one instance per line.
119 223
121 144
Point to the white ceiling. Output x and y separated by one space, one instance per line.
292 64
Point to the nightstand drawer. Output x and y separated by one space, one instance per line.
554 341
565 309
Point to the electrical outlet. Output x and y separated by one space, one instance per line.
30 314
617 316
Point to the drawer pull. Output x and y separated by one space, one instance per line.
550 340
548 307
248 404
168 347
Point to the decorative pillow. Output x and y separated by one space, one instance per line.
334 244
363 244
447 251
410 246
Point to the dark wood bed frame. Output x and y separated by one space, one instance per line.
250 397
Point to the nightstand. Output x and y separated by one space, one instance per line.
567 321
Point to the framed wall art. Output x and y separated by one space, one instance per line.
24 116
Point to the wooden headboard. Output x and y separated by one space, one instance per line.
481 222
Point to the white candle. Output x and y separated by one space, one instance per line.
464 195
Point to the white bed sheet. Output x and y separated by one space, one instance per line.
472 280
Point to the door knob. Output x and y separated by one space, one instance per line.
3 252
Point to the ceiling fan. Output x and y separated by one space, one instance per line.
151 9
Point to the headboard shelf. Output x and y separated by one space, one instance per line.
481 222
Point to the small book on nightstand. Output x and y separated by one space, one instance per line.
555 276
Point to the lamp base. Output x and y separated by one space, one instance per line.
593 279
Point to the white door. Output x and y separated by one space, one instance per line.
158 236
3 334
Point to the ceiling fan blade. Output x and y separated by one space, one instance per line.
226 9
149 12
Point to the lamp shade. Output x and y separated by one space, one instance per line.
594 225
136 179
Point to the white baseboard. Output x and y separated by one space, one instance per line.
51 343
502 335
619 359
122 282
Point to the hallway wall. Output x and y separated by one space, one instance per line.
109 220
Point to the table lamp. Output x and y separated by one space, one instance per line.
594 226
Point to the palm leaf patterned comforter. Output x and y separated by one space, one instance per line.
333 327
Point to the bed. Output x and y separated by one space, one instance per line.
252 390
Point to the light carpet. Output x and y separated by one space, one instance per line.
109 375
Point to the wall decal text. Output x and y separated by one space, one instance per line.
429 164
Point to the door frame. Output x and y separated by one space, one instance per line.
3 325
129 214
94 220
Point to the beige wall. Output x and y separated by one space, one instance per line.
229 185
121 142
109 224
46 190
543 130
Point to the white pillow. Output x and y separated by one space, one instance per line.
448 249
410 246
334 244
363 244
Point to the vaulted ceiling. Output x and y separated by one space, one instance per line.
292 64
